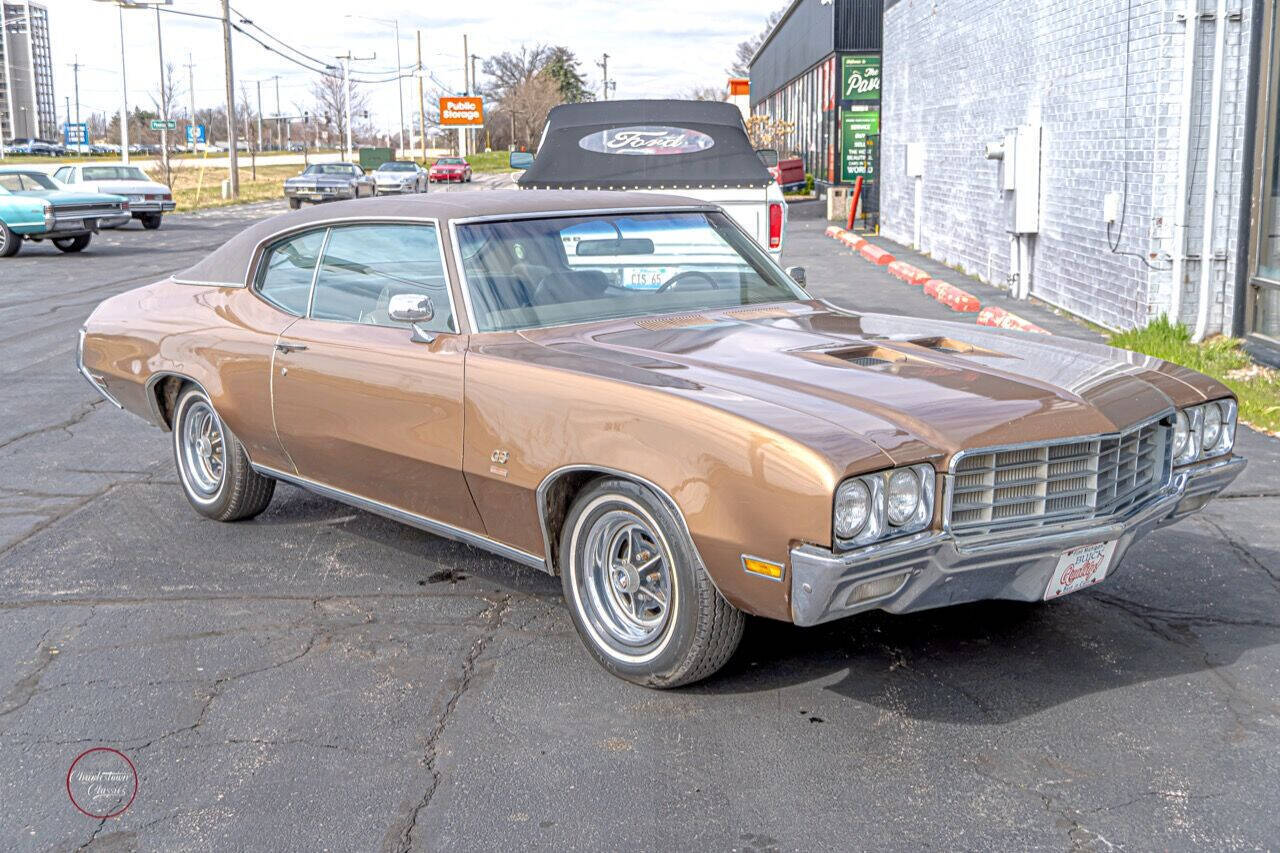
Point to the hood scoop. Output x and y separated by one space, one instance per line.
872 357
955 347
675 321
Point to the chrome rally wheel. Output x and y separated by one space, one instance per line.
201 450
626 581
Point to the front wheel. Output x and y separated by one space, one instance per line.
212 466
295 203
73 244
637 592
10 242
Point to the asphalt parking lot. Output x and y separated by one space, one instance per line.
323 679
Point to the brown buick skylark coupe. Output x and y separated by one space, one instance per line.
624 390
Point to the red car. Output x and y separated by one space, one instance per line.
450 169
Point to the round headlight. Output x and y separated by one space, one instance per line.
853 506
1211 426
903 497
1181 434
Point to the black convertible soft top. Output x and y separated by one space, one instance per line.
622 145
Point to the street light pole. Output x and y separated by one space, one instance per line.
399 84
233 159
164 103
422 103
124 94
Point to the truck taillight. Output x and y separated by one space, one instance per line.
775 226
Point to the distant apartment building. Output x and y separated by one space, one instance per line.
27 105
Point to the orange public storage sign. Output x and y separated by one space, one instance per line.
461 112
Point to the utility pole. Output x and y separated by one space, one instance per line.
234 160
191 91
347 59
279 120
124 93
422 103
75 70
476 86
399 86
604 64
259 82
164 103
466 90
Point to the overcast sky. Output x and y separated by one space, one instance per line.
656 47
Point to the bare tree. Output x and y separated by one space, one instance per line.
331 103
525 109
741 66
509 70
705 93
165 98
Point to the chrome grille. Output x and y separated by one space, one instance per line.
1035 484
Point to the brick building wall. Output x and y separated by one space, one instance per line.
1103 79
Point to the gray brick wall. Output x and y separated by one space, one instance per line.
961 73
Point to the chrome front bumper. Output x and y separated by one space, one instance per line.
934 569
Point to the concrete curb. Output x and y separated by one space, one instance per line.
951 296
908 273
1002 319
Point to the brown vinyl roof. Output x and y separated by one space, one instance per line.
229 264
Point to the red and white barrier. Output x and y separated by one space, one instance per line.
875 254
951 296
908 273
1002 319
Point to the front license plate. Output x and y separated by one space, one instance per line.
1080 567
316 197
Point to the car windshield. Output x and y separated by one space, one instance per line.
530 273
396 167
330 169
114 173
26 181
451 161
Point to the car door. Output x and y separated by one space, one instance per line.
362 403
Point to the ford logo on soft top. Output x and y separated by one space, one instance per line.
646 139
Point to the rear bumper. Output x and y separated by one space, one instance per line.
136 207
932 569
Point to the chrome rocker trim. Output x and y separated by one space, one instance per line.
938 570
430 525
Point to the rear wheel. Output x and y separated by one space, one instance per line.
10 242
73 244
151 221
637 592
212 466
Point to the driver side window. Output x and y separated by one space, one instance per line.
365 265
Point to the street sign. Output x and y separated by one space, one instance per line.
75 134
195 133
461 112
163 124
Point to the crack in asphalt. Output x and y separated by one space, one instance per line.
28 686
1242 550
74 420
492 619
1065 817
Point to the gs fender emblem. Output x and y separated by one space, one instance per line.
499 457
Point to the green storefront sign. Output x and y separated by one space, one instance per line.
860 77
859 139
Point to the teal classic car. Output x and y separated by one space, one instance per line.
34 207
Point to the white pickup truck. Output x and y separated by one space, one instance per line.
697 149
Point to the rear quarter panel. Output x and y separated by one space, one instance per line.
219 337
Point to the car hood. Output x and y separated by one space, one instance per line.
126 187
319 180
915 388
393 177
60 197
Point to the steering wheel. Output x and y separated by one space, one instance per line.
671 282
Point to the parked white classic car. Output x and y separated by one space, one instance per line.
148 200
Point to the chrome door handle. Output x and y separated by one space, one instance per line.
290 347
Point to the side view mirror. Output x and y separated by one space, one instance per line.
797 274
768 156
413 308
521 159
